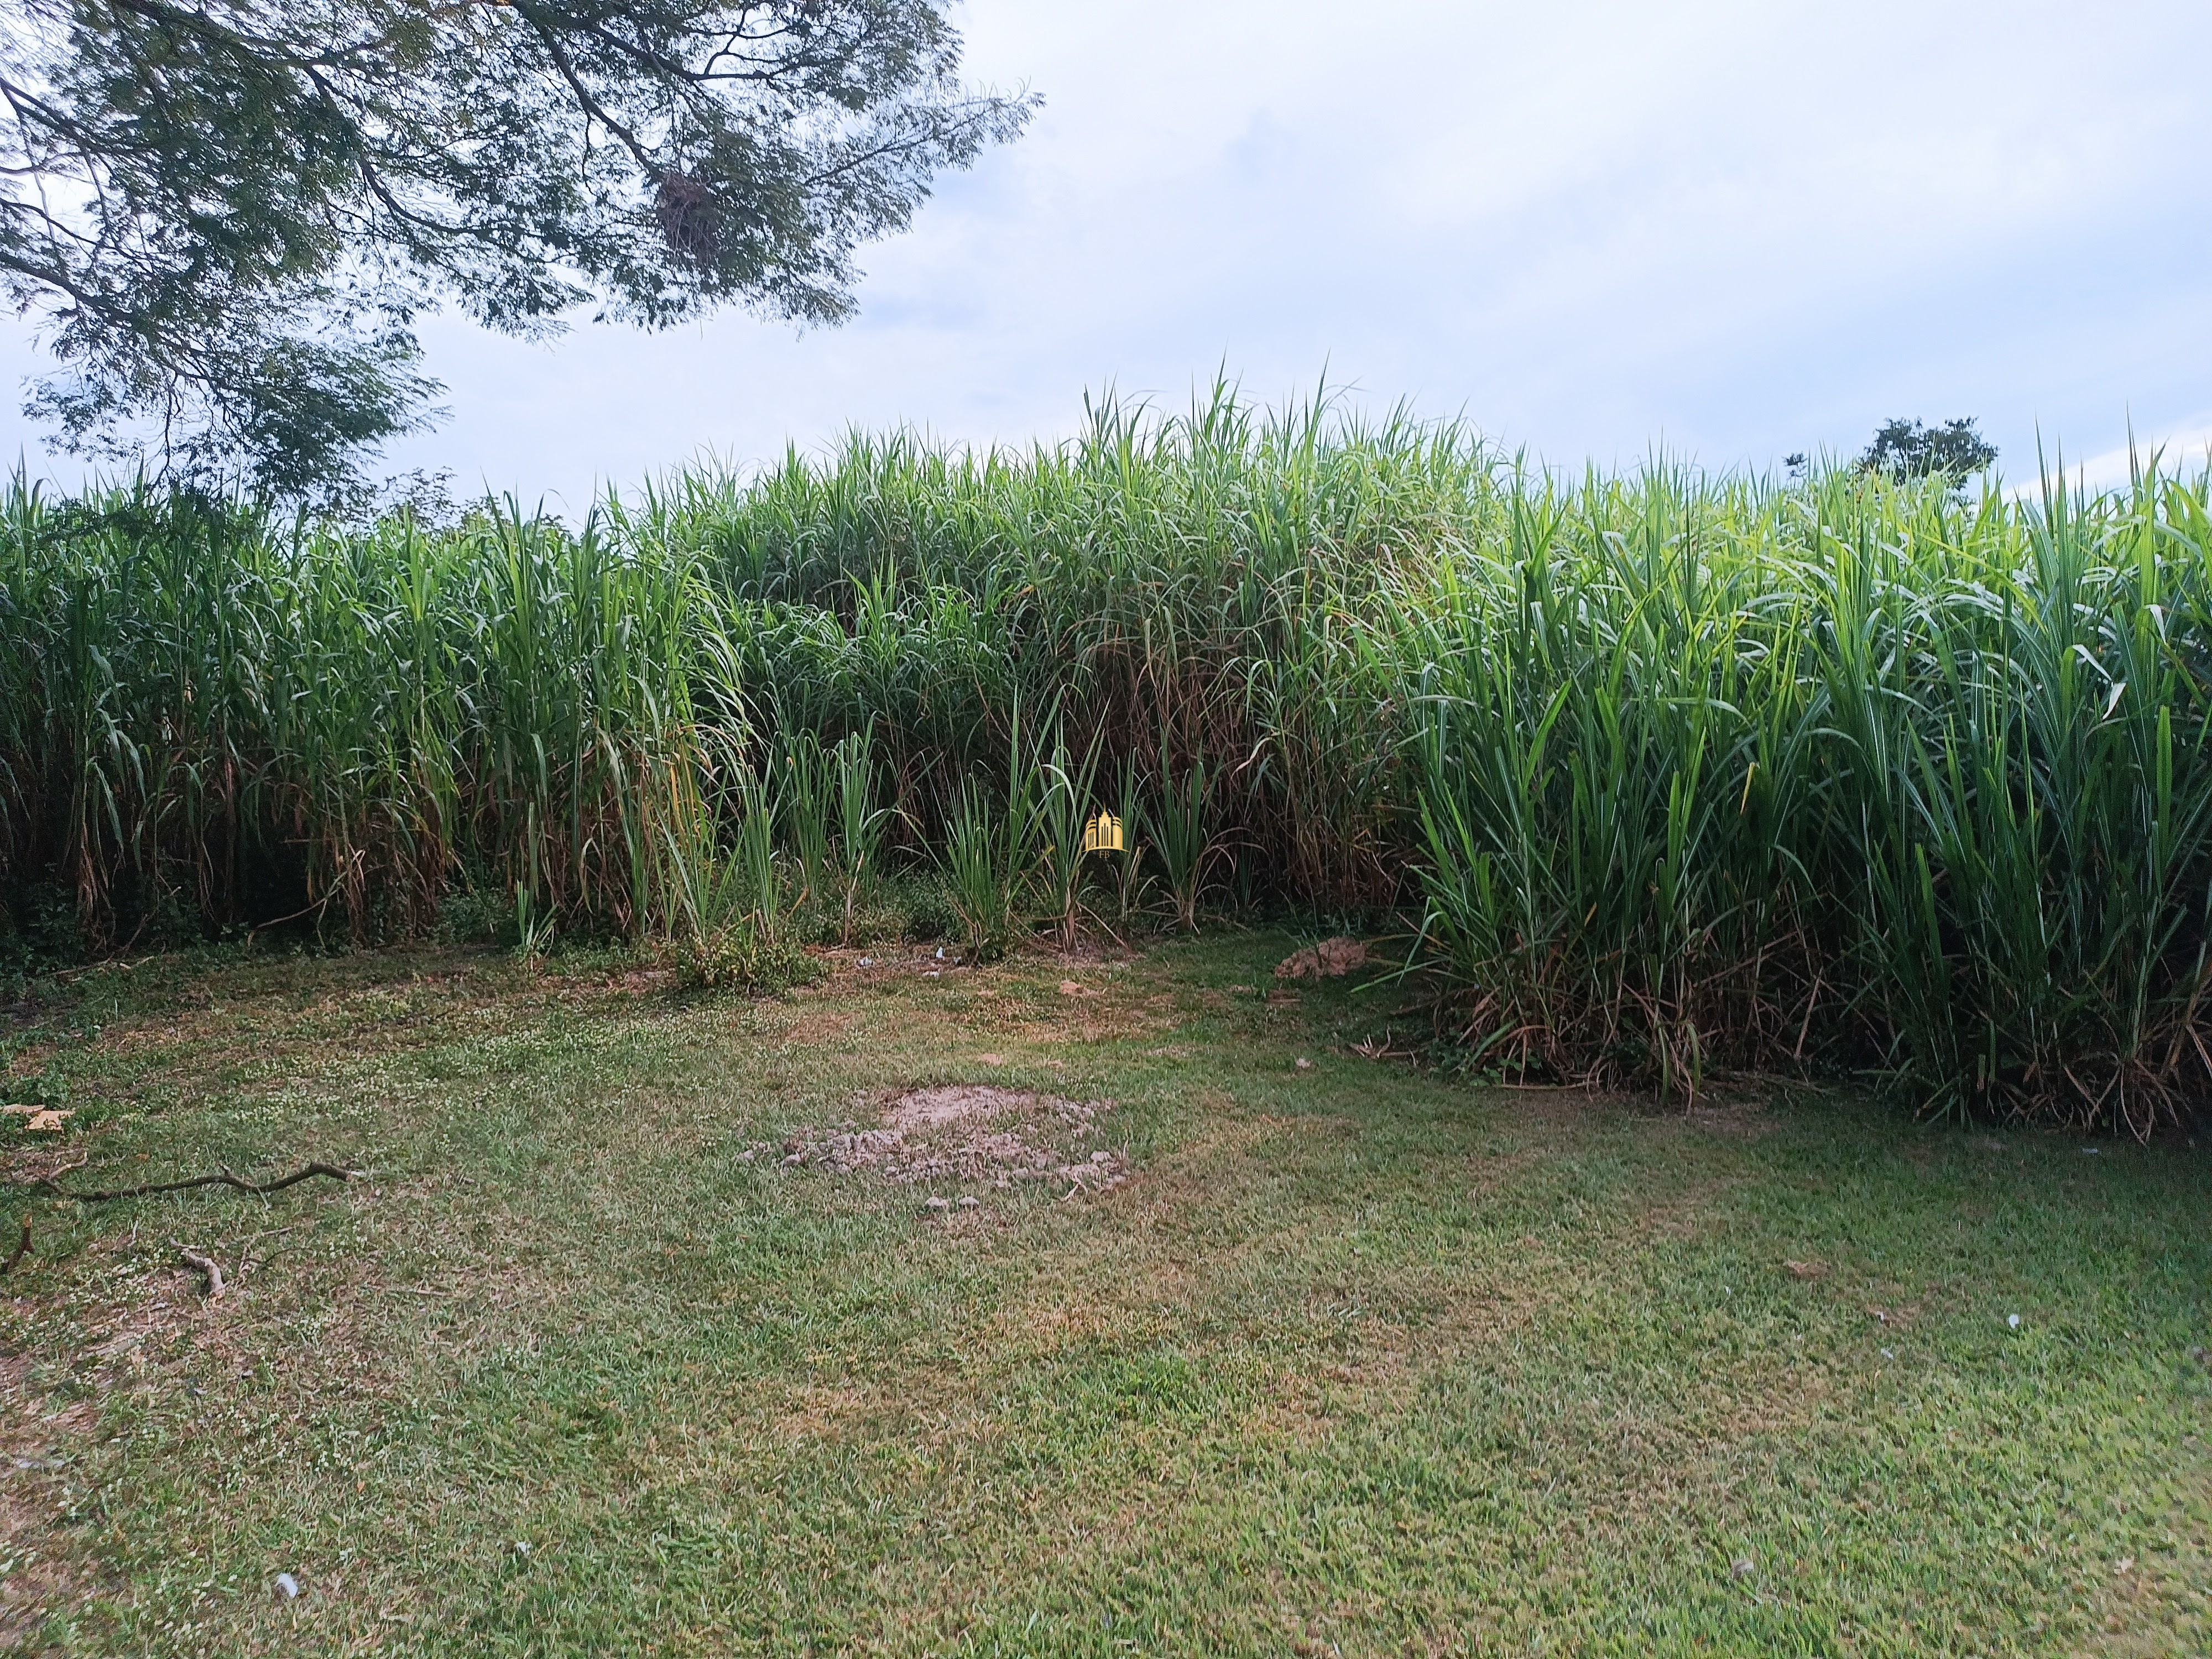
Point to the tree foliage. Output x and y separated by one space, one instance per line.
226 215
1907 449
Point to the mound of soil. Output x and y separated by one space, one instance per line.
973 1133
955 1103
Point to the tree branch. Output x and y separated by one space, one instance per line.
223 1178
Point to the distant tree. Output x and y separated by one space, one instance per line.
1906 449
226 215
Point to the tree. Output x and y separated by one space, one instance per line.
1906 449
226 215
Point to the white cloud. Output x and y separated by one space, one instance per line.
2184 451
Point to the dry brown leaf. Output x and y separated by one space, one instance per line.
47 1118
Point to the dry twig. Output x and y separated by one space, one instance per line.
224 1178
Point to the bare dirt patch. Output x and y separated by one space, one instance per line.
925 1109
972 1133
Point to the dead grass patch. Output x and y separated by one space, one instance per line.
819 1027
39 1583
34 1447
813 1412
1294 1408
1690 1211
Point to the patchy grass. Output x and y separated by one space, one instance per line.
1357 1360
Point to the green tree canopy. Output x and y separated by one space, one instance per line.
226 214
1907 449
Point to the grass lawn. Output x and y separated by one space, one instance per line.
1351 1358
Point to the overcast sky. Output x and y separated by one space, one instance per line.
1595 229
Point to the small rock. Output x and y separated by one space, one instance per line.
867 962
2013 1320
969 1203
1102 1157
940 1203
287 1586
929 973
795 1157
1743 1566
1304 1065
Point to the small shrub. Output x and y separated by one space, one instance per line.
472 914
740 958
1182 822
1063 809
923 908
38 930
979 880
861 823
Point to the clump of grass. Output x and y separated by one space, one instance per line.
1181 820
1062 811
860 862
734 909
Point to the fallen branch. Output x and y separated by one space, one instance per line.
23 1248
224 1178
204 1264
